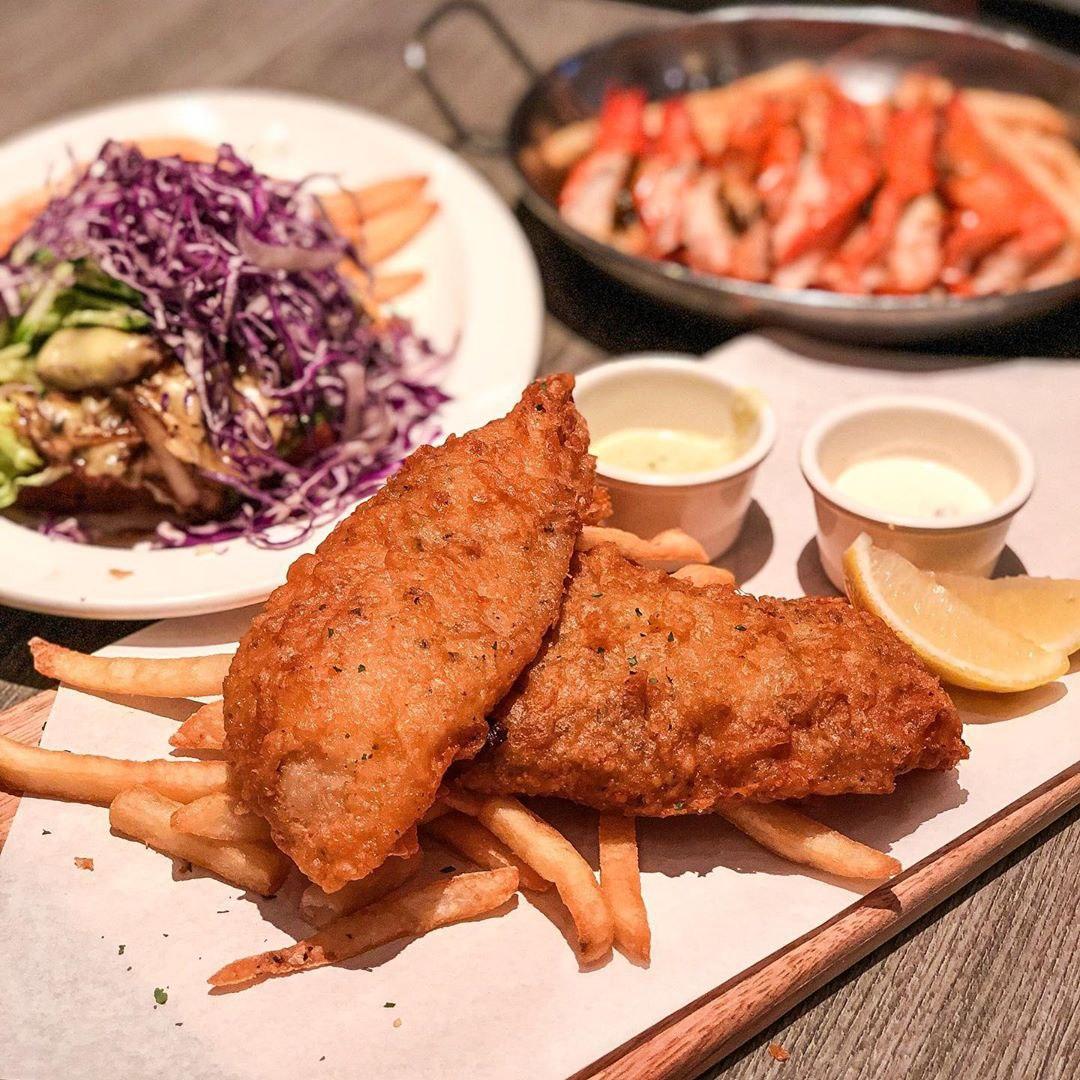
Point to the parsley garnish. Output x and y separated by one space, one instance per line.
740 627
329 631
120 950
389 1004
632 661
361 668
637 612
160 995
671 636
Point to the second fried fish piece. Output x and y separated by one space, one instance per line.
655 697
376 664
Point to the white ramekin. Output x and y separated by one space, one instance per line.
946 431
671 391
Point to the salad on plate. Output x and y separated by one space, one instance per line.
192 344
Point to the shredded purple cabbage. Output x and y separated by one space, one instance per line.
67 528
238 272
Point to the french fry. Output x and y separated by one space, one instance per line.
346 209
145 815
701 574
176 146
220 816
469 838
560 149
802 840
321 908
379 237
1019 110
553 857
387 287
408 912
88 778
620 882
204 729
179 676
671 545
19 214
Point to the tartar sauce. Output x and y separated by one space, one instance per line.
667 451
913 487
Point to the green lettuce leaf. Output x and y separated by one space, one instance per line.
18 460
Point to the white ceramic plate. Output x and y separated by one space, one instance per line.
482 289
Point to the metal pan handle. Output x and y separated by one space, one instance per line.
416 59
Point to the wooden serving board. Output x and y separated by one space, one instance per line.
708 1029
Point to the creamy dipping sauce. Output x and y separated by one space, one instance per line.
667 451
913 487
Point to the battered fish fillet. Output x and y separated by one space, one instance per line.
377 663
655 697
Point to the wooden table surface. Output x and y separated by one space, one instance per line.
984 987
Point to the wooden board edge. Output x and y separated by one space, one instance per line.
25 723
710 1028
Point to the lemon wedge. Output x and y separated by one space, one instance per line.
953 639
1044 610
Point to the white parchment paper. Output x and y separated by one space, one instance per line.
502 997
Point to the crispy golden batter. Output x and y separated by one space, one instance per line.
655 697
375 665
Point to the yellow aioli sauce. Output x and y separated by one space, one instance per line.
907 486
667 451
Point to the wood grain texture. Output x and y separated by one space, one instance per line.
985 986
24 722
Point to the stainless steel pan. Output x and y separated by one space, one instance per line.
865 48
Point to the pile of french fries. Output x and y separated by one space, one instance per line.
189 810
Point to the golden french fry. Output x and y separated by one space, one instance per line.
671 545
19 214
88 778
469 838
702 574
560 149
387 287
406 913
177 676
379 237
176 146
620 882
145 815
553 857
346 209
321 908
802 840
220 816
1020 110
204 729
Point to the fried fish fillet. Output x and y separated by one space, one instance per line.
376 664
655 697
